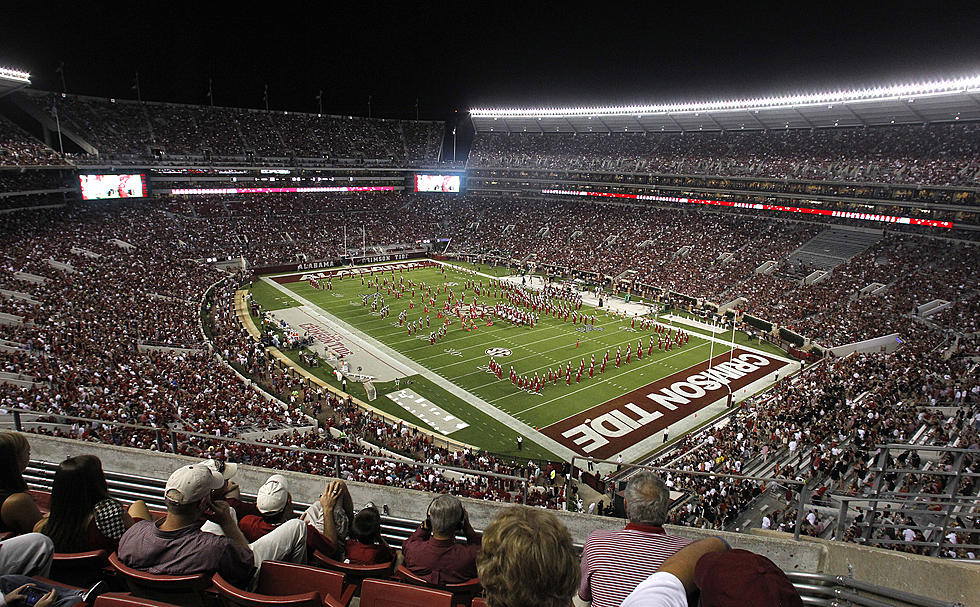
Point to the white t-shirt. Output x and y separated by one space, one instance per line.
661 589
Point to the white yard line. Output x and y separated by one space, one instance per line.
415 368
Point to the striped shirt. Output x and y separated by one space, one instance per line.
615 562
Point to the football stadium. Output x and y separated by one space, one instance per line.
595 335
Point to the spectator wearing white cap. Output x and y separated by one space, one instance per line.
275 506
177 545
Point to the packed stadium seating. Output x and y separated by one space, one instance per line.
127 131
939 154
157 305
118 334
17 148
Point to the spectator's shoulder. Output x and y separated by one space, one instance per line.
601 534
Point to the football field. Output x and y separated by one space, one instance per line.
381 304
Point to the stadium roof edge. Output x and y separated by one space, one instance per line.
969 84
916 103
12 80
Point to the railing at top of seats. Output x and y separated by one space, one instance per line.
167 442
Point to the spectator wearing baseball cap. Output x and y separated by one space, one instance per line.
724 578
230 491
177 544
275 506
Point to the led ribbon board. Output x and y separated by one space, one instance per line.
194 191
762 207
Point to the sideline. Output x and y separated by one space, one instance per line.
241 310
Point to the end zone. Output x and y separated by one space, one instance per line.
612 427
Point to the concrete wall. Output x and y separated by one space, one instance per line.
889 343
915 574
922 575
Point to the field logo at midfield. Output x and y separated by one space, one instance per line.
611 427
587 328
498 352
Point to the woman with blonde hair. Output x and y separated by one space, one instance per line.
528 560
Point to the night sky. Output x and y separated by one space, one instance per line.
462 56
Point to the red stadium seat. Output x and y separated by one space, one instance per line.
386 593
231 596
463 592
42 499
124 599
79 568
276 577
479 602
181 590
355 574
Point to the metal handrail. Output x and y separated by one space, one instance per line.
823 580
804 491
337 455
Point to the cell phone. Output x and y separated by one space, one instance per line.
32 595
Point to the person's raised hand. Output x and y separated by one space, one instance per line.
331 493
220 513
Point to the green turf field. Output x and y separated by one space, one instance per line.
461 357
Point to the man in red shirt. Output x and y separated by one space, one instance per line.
432 552
366 546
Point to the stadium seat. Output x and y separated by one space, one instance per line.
275 577
355 574
124 599
479 602
387 593
231 596
79 568
462 592
42 499
181 590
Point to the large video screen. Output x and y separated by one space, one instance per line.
100 187
436 183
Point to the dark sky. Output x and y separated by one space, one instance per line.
468 55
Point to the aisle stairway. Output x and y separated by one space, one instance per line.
832 247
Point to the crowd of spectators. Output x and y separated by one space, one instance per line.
21 180
17 148
123 130
935 154
87 347
655 249
821 428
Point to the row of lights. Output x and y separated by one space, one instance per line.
956 116
971 84
12 74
